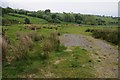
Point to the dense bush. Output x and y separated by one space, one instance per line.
47 11
108 35
7 10
47 17
78 19
89 30
69 17
89 20
100 21
27 21
55 18
21 11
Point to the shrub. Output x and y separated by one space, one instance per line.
108 35
27 21
113 37
58 34
44 26
50 27
88 30
91 30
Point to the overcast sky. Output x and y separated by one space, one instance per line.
97 7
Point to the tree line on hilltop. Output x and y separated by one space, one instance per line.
62 17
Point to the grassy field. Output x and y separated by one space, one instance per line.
21 19
60 64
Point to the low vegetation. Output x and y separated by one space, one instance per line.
105 34
4 45
59 17
31 45
41 48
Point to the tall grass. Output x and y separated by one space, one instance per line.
21 50
26 41
35 36
47 47
4 45
50 44
32 27
54 38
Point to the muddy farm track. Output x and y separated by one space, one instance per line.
105 55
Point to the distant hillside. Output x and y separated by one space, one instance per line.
37 17
19 18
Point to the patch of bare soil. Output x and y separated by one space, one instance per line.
103 54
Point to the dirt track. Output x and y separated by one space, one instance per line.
104 55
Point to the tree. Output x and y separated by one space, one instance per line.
39 14
100 21
60 16
47 11
47 17
69 17
55 18
7 10
22 11
27 21
78 18
89 20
